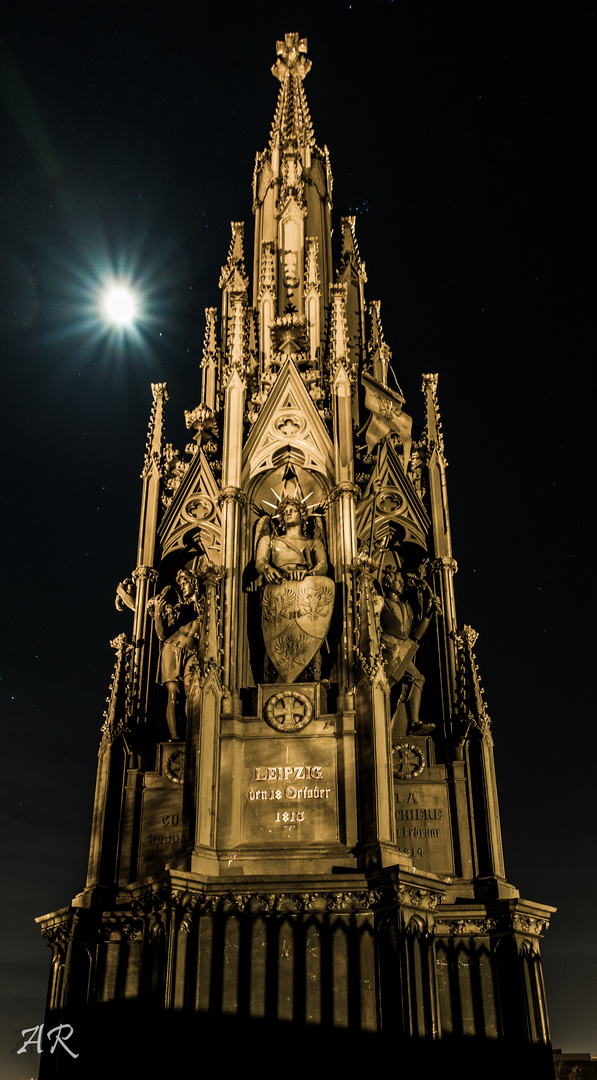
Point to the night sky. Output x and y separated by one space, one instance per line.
461 138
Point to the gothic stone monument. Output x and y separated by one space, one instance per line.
295 838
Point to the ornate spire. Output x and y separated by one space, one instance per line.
380 355
292 57
471 706
210 362
350 266
433 434
118 713
155 433
339 353
292 121
234 284
234 274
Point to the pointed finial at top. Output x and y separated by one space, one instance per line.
292 57
155 432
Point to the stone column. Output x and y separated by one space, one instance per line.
344 496
377 821
145 578
233 502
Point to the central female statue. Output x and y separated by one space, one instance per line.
298 598
290 556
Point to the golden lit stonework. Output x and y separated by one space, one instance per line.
292 57
296 832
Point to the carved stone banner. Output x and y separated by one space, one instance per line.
295 620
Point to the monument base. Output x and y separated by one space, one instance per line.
337 962
128 1039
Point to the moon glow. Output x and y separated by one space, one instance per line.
119 305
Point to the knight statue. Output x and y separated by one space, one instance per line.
401 631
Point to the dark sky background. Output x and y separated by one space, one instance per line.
461 137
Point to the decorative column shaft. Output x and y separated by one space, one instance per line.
345 492
233 502
145 577
231 506
345 495
146 549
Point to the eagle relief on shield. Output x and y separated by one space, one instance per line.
298 598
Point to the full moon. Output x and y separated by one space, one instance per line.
119 305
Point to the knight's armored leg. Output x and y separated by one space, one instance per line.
413 704
400 716
171 709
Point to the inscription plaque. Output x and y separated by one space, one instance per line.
161 827
290 791
423 826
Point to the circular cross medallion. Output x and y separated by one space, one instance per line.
288 711
407 761
175 767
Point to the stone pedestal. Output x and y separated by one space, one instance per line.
313 961
287 802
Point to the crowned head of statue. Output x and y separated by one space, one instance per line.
292 515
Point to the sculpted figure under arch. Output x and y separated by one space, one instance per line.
179 628
401 631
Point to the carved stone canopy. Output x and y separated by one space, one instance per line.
289 335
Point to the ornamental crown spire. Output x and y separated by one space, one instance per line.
155 432
292 57
292 121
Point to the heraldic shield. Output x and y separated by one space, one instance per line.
295 620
